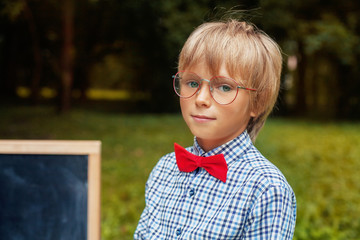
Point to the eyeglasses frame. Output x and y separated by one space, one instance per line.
207 80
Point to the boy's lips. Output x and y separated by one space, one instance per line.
202 118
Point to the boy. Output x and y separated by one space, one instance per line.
222 188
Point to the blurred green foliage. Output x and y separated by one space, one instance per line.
319 159
134 45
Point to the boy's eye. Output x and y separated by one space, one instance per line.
223 85
192 84
225 88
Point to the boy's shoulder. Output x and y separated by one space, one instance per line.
263 171
165 165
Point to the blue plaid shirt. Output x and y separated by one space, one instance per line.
256 202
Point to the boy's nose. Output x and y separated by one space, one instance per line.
203 96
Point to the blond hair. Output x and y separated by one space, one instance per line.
247 53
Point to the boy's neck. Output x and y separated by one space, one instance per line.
207 145
210 144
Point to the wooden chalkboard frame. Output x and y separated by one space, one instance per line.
69 147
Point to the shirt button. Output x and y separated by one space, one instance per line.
178 231
192 192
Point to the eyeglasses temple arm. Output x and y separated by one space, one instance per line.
250 89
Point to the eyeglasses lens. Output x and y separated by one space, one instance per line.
186 84
223 90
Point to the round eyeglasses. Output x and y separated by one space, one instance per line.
222 89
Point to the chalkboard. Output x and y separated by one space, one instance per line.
52 195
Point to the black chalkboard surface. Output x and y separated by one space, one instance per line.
43 197
50 190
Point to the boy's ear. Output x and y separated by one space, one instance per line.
253 114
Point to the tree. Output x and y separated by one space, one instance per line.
67 57
21 9
142 39
327 38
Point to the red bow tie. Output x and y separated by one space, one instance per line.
188 162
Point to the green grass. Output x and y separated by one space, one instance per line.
320 161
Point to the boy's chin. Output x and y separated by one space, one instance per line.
204 136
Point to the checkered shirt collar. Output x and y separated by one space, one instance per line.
232 150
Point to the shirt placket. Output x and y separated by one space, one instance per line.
182 209
187 200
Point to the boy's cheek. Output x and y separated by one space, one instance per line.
184 107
